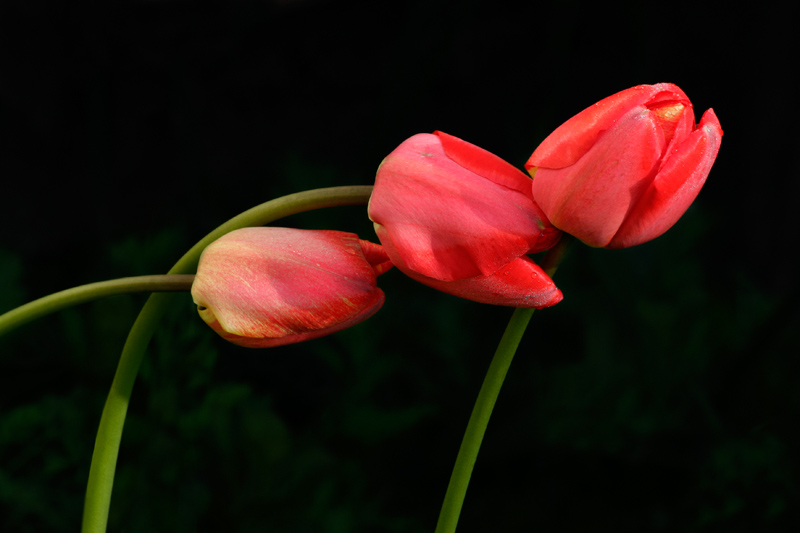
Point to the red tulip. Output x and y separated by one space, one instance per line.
264 287
460 219
625 170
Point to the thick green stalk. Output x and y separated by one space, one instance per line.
487 397
109 434
86 293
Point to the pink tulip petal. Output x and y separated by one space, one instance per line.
520 283
268 284
449 222
675 187
484 163
570 141
390 248
376 256
368 309
591 198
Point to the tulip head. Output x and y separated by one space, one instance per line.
460 219
623 171
265 287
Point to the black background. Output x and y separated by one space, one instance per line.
660 395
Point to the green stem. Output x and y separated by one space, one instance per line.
93 291
476 428
487 397
109 434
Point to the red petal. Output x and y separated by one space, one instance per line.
367 310
570 141
376 256
591 198
449 222
484 163
521 283
277 283
675 187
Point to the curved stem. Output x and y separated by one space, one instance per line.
109 434
93 291
492 383
273 210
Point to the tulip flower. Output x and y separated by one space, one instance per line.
264 287
460 219
623 171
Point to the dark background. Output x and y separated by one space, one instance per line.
660 395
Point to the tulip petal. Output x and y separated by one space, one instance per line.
591 198
450 222
368 309
484 163
375 256
520 283
272 286
675 187
570 141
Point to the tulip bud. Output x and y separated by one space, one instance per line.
264 287
460 219
623 171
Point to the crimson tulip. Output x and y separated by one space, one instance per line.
623 171
264 287
460 219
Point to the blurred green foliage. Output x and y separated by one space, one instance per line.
660 395
649 399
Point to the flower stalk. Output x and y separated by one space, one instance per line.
487 397
109 434
92 291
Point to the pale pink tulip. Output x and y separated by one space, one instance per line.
264 287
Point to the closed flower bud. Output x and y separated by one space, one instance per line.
264 287
623 171
457 218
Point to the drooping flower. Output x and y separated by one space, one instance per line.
264 287
624 170
460 219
